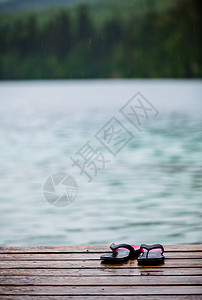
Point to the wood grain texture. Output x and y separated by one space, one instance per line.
77 273
82 256
100 290
79 264
100 280
97 249
152 271
125 297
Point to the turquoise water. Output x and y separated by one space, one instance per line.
151 191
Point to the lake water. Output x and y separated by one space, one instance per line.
150 191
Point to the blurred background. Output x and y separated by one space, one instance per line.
52 39
66 68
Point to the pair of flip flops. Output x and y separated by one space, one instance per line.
147 254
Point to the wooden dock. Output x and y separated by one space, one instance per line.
77 273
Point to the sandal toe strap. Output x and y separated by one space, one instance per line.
114 247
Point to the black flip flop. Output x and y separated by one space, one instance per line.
151 254
121 253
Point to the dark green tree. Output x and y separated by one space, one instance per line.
56 37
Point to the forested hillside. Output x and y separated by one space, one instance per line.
116 39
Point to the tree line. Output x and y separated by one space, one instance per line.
166 45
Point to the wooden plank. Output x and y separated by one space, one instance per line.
77 273
101 280
82 256
103 272
100 290
170 263
76 297
97 249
